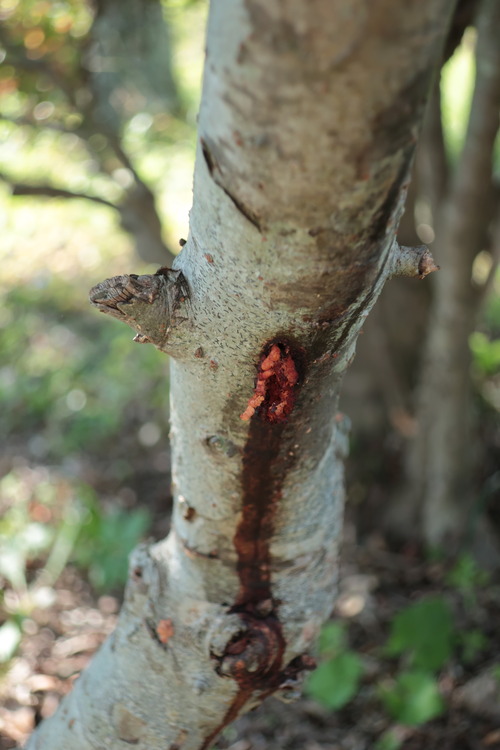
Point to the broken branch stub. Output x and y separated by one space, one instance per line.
150 304
414 262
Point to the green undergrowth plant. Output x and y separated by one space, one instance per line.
423 640
71 384
336 681
467 577
423 633
389 740
105 541
46 523
70 380
422 636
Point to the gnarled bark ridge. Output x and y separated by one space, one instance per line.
307 128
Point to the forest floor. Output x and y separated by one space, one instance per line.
376 583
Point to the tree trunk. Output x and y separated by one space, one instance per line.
307 128
441 460
128 62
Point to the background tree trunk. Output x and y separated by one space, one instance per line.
443 454
308 124
380 395
121 67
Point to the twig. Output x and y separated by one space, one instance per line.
115 144
46 125
50 191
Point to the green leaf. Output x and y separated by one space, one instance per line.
336 681
388 741
332 638
413 699
105 542
424 630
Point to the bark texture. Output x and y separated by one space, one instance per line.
442 457
308 123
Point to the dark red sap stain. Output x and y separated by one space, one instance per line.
233 711
263 471
262 493
265 465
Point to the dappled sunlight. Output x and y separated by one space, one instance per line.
46 240
457 79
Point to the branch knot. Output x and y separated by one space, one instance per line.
150 304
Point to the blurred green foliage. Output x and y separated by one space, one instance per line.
47 522
484 344
62 365
424 632
34 30
105 541
413 697
457 87
337 678
72 382
467 577
457 84
425 639
471 643
75 392
389 740
51 80
486 353
52 51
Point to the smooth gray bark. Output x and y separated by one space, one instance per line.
308 123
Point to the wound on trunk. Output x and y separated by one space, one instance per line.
274 394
